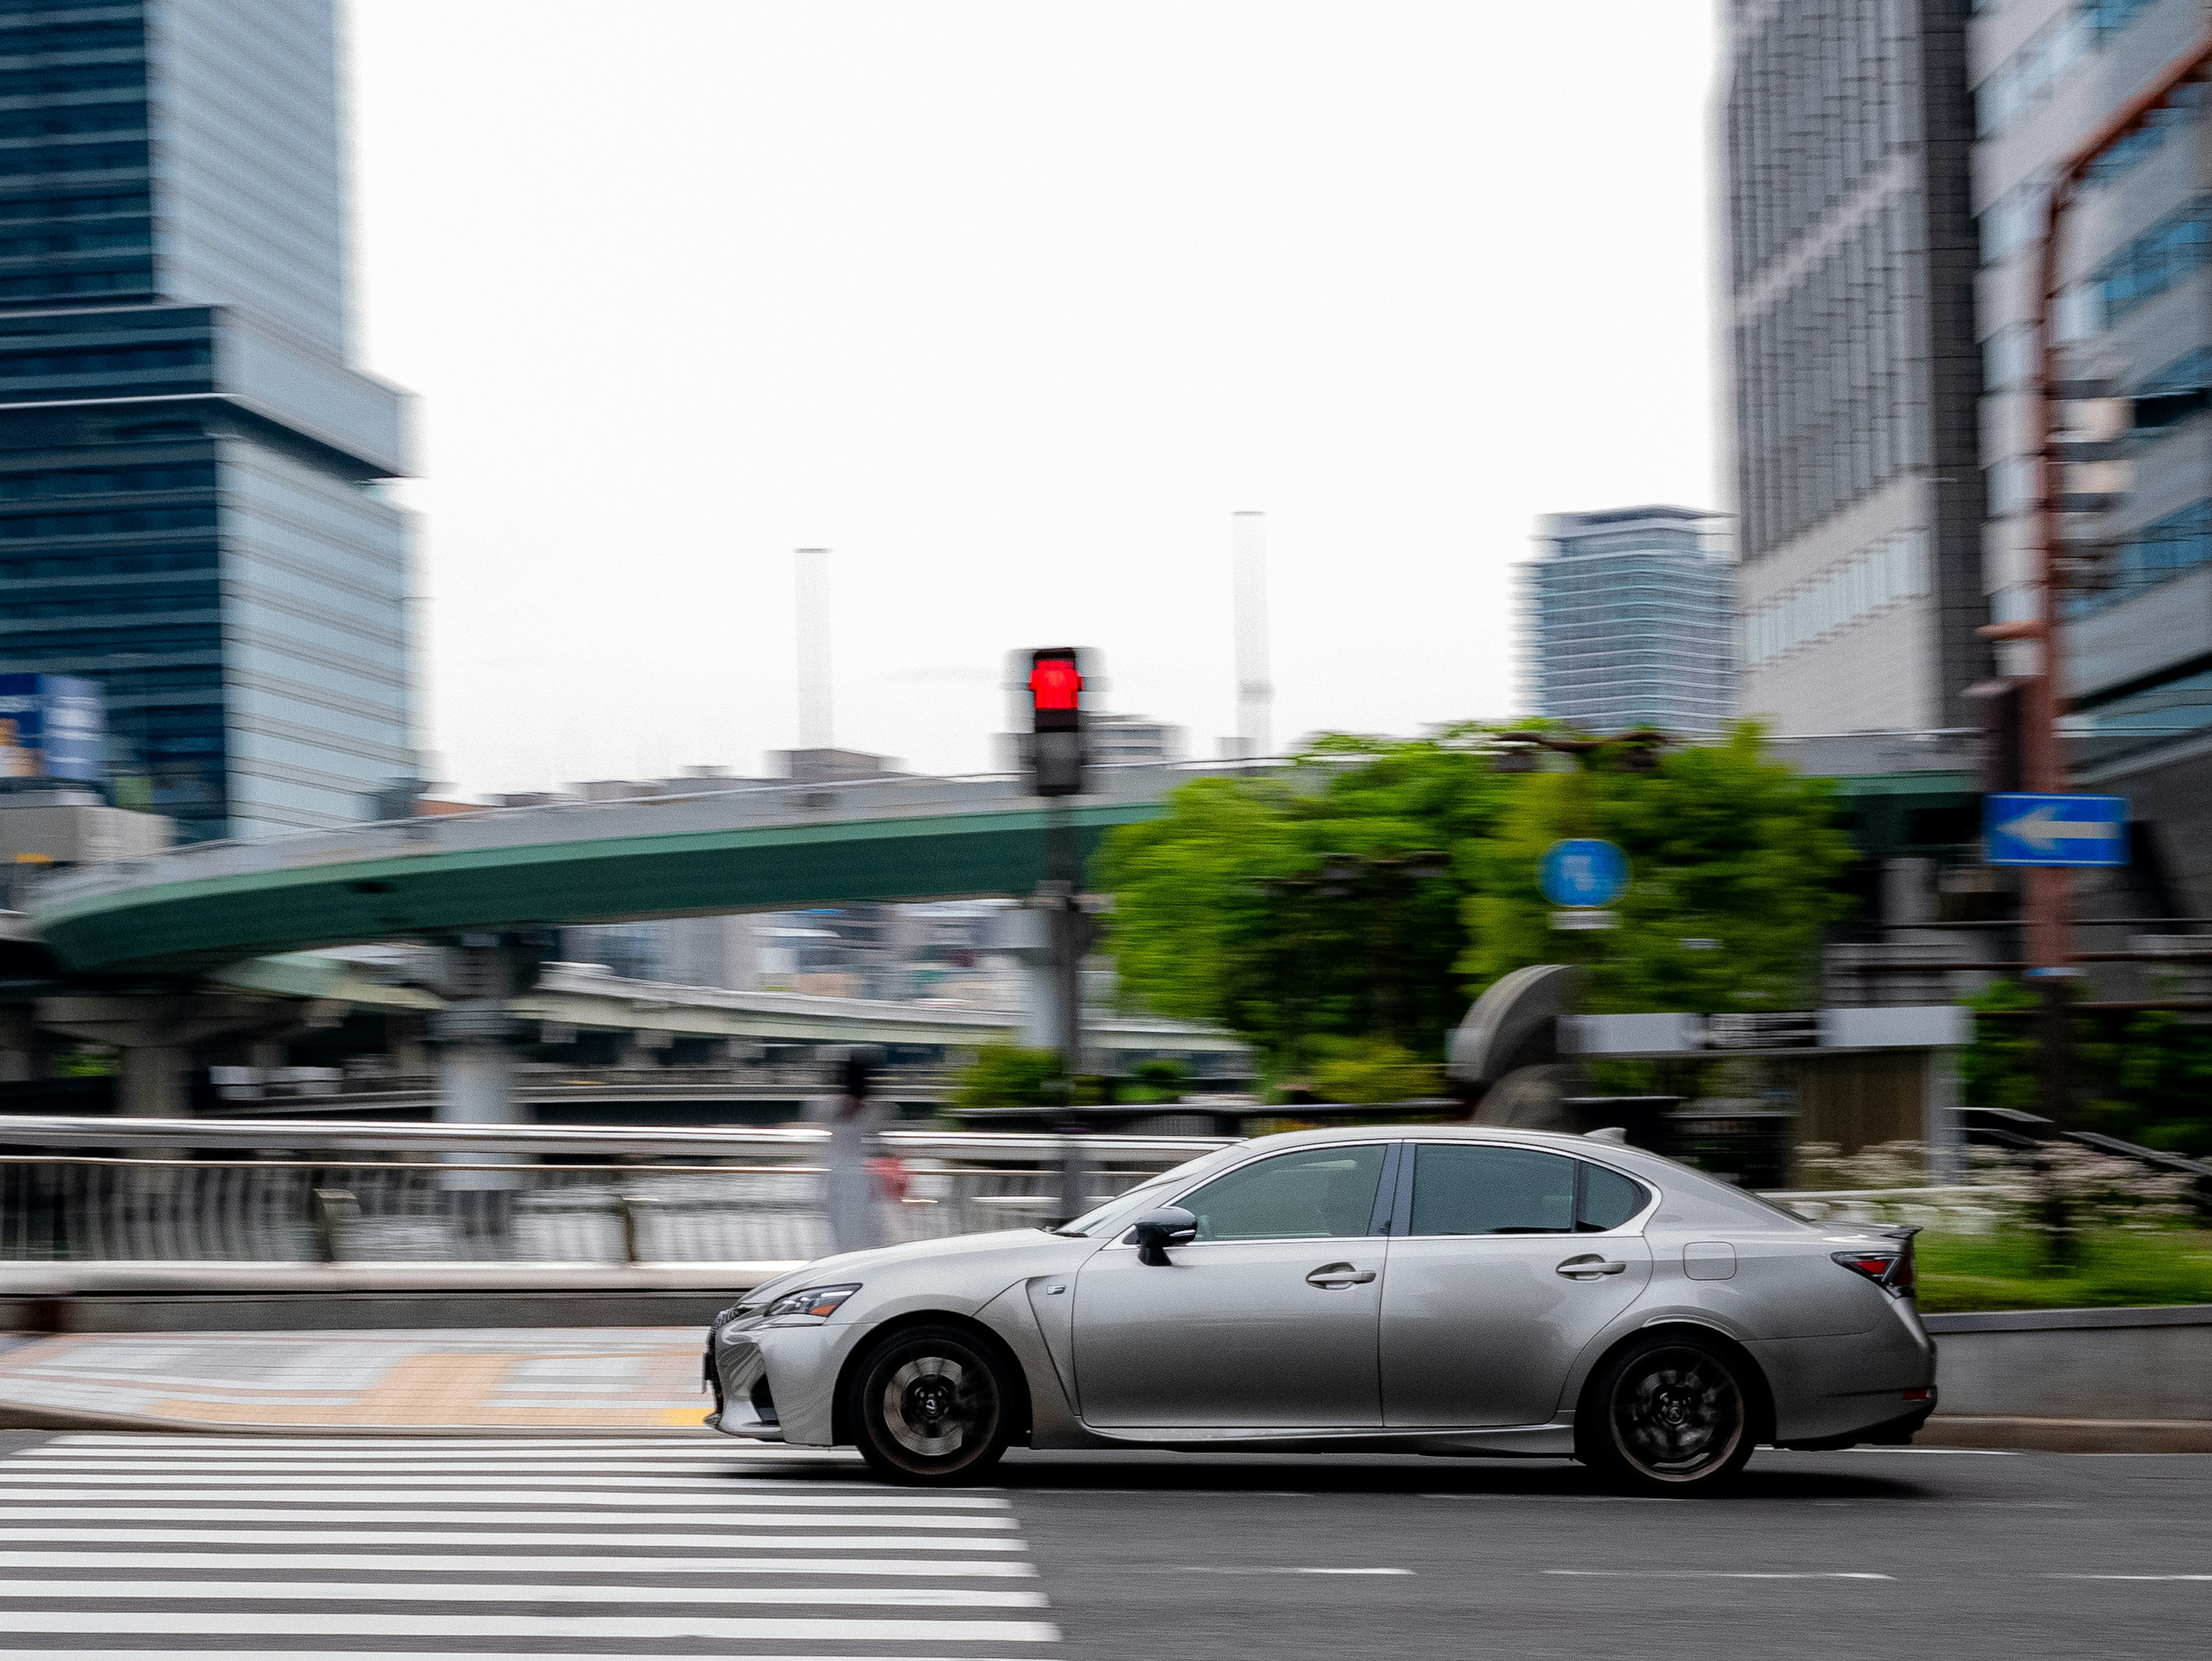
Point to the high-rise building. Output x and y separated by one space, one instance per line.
1846 134
1627 621
2136 315
190 509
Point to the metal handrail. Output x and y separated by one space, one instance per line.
107 1190
359 1137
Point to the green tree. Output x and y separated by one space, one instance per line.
1734 861
1008 1075
2142 1075
1287 909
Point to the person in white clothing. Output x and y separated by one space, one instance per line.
855 1121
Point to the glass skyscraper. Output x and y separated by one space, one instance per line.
189 506
1627 619
1848 288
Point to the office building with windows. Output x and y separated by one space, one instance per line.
189 505
1626 621
2136 318
1845 130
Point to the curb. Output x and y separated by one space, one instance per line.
14 1417
2018 1435
1943 1430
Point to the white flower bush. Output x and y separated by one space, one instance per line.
2003 1188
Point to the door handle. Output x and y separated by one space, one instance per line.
1589 1266
1335 1276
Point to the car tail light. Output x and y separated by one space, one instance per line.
1884 1268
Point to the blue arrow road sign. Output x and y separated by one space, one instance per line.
2020 829
1583 871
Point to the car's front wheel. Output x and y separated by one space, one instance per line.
930 1406
1671 1415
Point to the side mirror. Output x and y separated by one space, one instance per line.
1156 1231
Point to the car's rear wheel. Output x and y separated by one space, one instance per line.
1671 1415
930 1406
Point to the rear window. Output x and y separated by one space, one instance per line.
1460 1189
1609 1199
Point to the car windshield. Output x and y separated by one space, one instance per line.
1094 1218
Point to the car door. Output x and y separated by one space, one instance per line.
1267 1320
1511 1260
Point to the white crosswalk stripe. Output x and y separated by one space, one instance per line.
301 1549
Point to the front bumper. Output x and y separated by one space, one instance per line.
737 1371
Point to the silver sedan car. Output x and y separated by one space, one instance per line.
1442 1290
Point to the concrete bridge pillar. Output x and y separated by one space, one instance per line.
480 975
158 1031
156 1081
1024 936
475 1067
22 1048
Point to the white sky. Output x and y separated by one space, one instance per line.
1011 303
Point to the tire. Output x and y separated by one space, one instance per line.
1671 1415
931 1407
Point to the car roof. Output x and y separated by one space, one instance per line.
1650 1166
1682 1183
1561 1140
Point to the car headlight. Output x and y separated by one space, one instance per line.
817 1303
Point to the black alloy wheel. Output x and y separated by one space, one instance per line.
1672 1416
929 1406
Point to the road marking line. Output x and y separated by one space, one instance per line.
89 1511
730 1494
1194 1568
427 1655
195 1443
1568 1498
370 1536
46 1478
1719 1574
227 1471
377 1447
442 1563
340 1591
315 1623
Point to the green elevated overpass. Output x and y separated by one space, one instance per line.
763 849
772 849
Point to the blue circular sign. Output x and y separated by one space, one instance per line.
1583 871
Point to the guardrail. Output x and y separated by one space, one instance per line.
168 1190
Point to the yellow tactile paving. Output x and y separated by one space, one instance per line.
565 1378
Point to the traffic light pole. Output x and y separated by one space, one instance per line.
2050 945
1060 895
1057 761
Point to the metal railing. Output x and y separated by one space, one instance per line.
185 1190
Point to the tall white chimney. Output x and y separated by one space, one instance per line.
1254 696
815 731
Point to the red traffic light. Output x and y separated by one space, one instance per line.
1055 686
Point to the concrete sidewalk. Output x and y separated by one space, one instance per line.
617 1380
520 1380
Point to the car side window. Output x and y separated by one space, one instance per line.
1328 1193
1463 1189
1608 1200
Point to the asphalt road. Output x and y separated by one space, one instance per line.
250 1548
1883 1553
